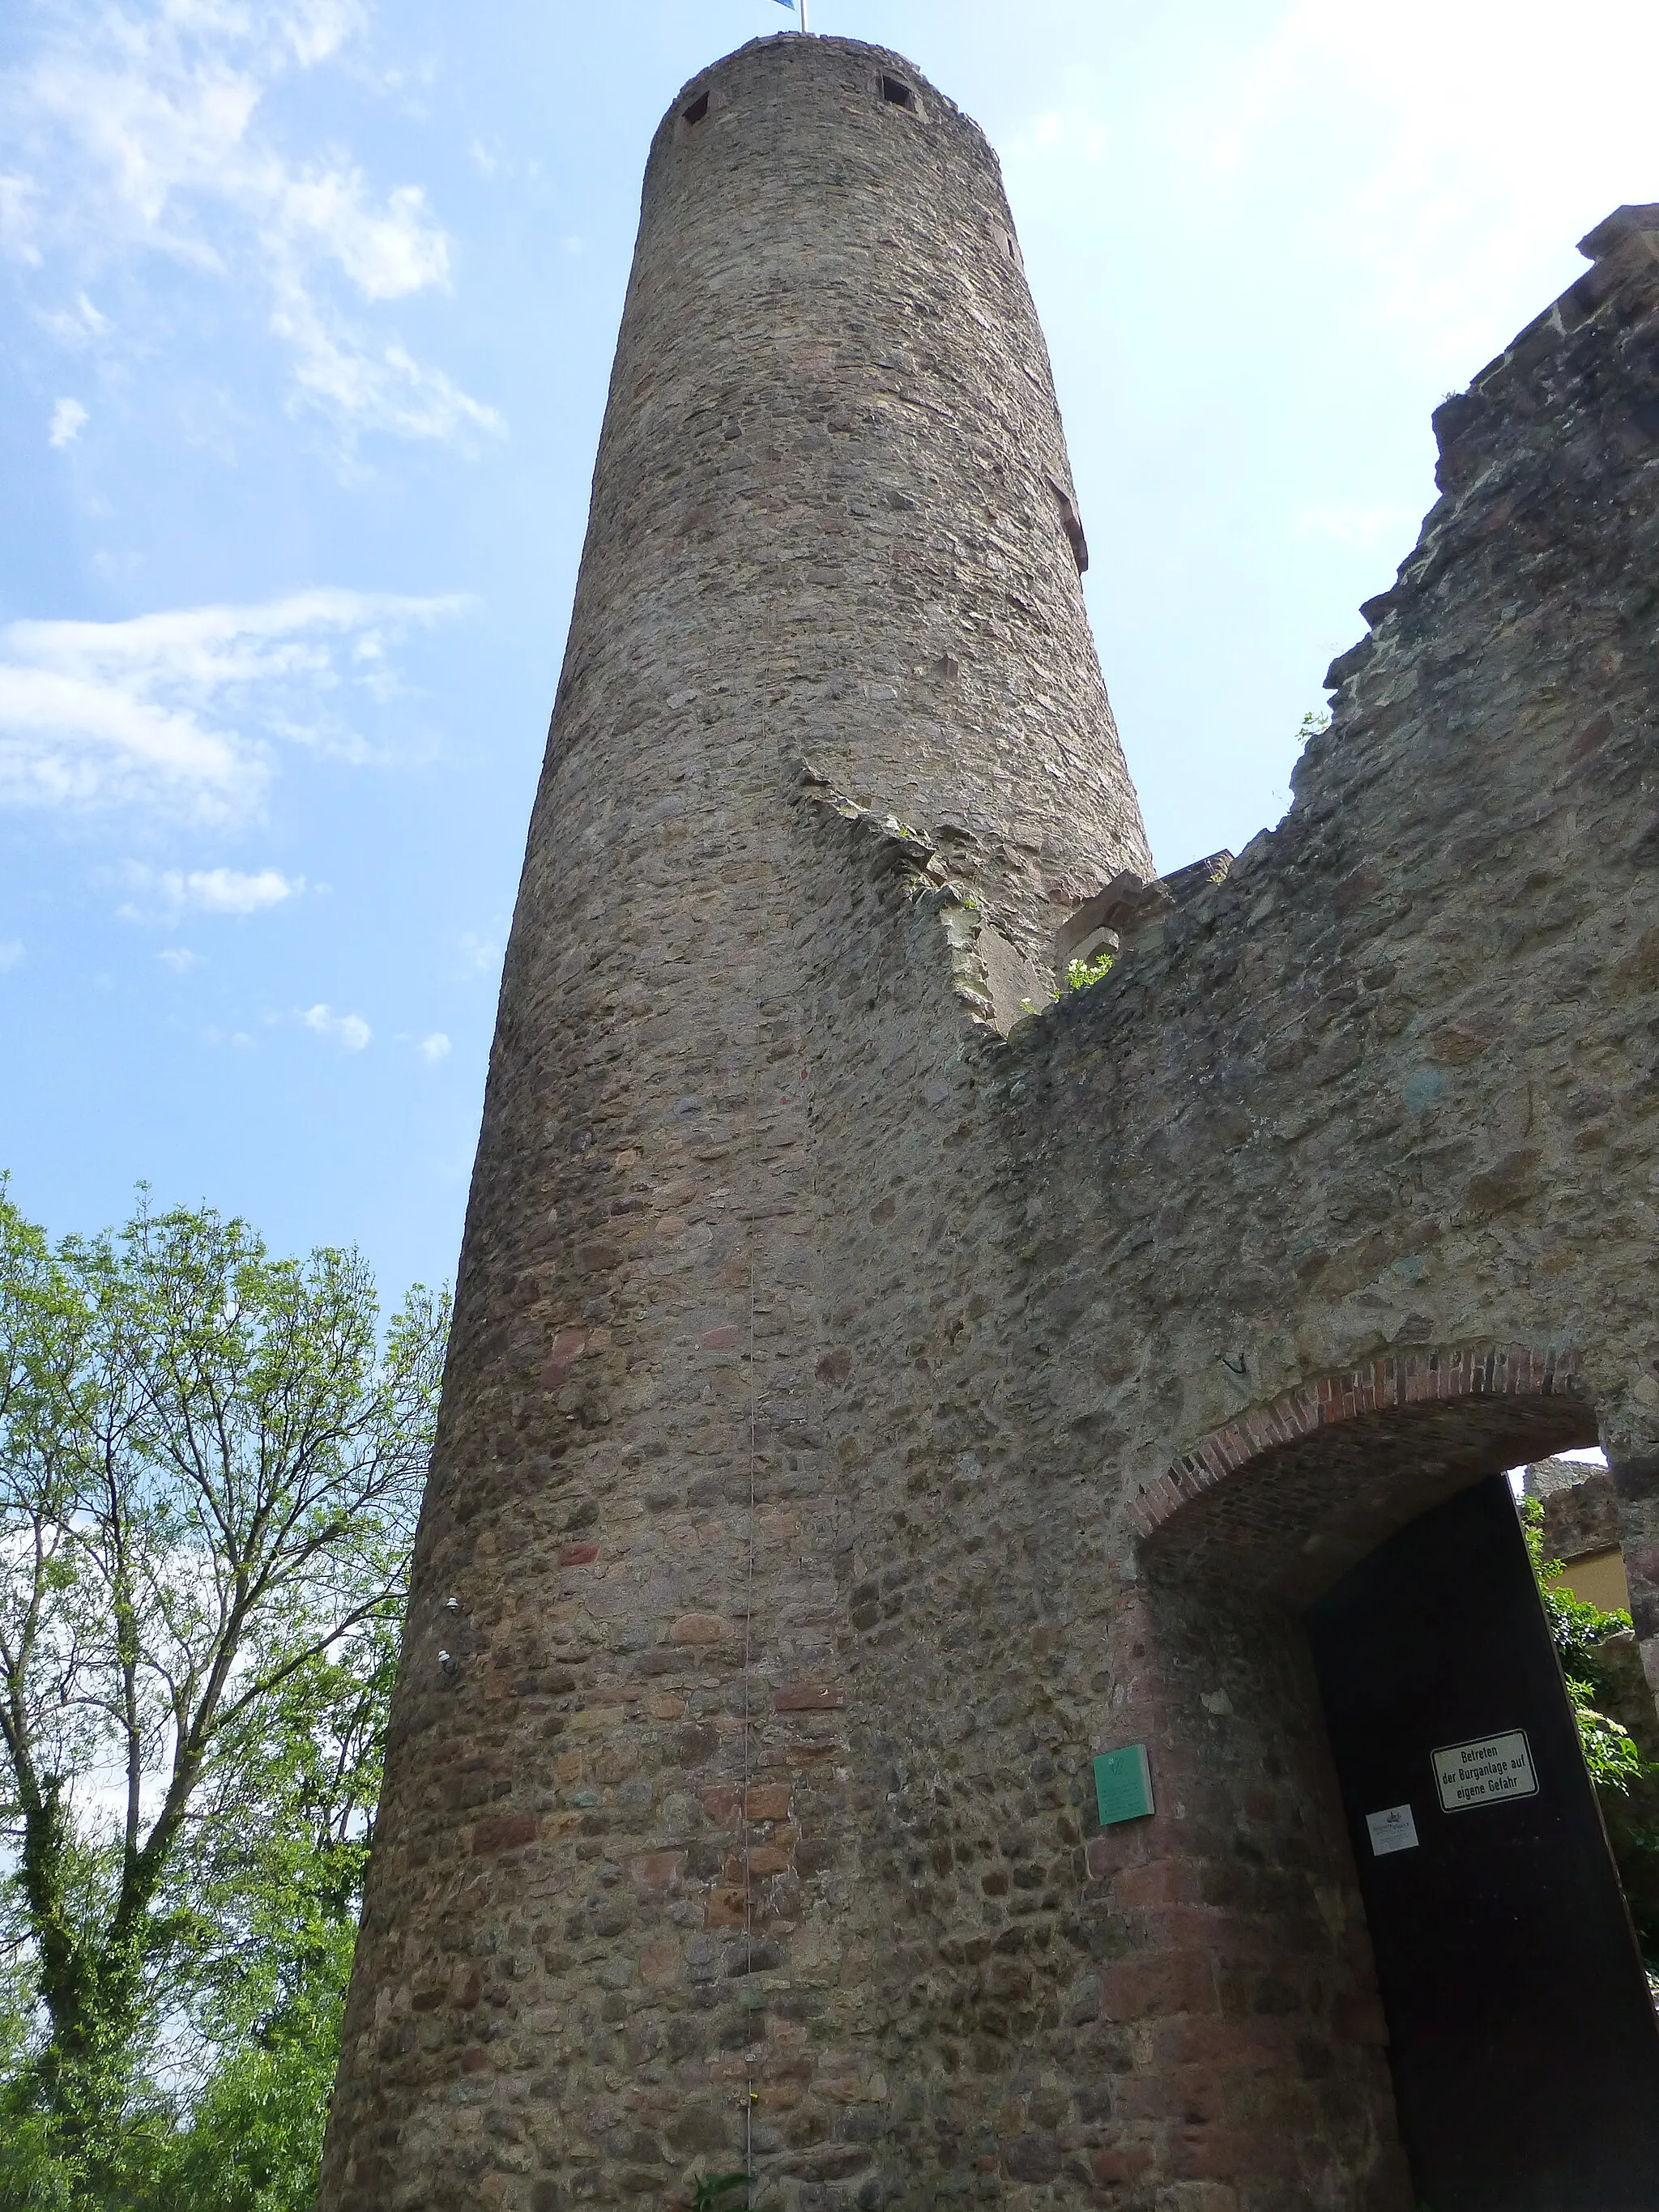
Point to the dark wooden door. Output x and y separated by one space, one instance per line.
1523 2038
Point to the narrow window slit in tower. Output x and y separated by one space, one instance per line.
1072 523
698 108
898 93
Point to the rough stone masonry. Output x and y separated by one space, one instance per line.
865 1404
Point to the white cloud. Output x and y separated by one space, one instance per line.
180 958
334 370
1477 122
208 890
20 200
226 890
146 130
350 1032
175 712
11 953
68 421
434 1047
75 327
480 956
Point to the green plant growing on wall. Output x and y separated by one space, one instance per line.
1079 974
1610 1751
1603 1677
722 2192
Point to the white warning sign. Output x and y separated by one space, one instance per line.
1392 1830
1488 1770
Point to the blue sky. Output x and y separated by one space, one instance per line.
309 312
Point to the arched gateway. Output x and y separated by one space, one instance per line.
818 1490
1363 1525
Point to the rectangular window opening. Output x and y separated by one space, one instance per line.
898 93
698 108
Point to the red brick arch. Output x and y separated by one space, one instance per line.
1392 1399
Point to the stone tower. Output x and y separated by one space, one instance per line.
865 1405
834 548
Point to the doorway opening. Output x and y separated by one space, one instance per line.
1369 1524
1522 2039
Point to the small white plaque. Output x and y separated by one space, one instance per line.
1394 1830
1487 1770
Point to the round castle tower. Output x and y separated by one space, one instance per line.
832 527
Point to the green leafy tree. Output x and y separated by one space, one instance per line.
1579 1630
210 1462
1604 1679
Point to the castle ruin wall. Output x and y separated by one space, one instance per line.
864 1407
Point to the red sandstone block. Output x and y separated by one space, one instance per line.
1153 1882
725 1907
1157 1983
504 1831
800 1753
768 1801
808 1698
720 1805
658 1870
568 1345
660 1963
1195 2096
768 1858
1180 1926
580 1555
1232 2155
1358 2018
790 2066
721 1340
1123 2162
699 1628
1229 2045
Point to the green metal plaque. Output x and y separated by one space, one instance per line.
1123 1784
